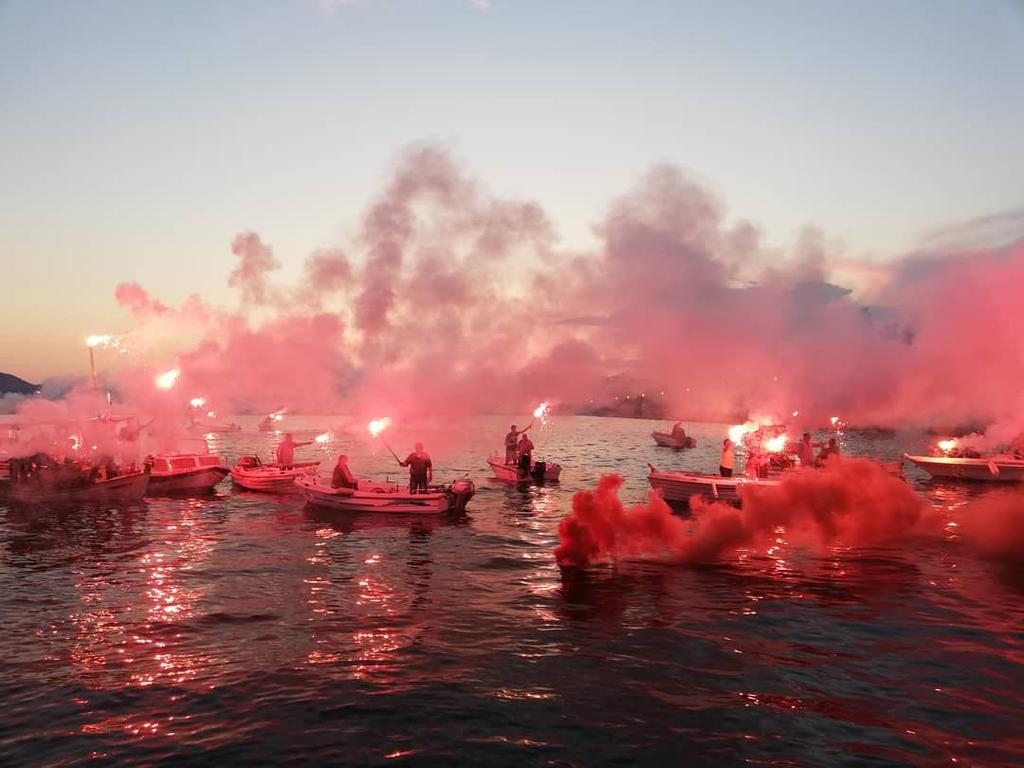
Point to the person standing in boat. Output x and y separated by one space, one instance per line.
286 450
421 469
525 450
512 442
678 433
728 461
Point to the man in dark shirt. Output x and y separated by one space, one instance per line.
342 475
421 470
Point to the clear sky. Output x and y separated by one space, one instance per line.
136 138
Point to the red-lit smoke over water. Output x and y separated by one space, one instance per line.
851 503
450 300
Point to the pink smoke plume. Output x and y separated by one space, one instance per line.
853 502
449 300
256 260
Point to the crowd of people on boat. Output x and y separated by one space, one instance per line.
519 449
761 461
43 469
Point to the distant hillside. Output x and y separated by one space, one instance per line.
12 385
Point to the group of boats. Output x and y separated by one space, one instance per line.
681 486
41 479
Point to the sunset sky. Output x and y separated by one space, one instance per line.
139 138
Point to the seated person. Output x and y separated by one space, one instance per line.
342 476
828 450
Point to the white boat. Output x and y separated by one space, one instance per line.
391 498
185 473
540 471
993 469
680 486
253 475
667 440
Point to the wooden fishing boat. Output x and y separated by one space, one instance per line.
390 498
540 471
992 469
45 490
680 486
667 440
185 473
253 475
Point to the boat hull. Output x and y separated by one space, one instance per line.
975 470
509 473
665 440
123 489
385 498
200 480
679 487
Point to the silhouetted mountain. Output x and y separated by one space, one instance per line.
10 384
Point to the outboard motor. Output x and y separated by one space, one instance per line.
539 471
462 491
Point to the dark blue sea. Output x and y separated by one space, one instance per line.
247 629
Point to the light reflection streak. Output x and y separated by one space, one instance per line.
124 635
363 614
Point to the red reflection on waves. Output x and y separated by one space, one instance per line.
124 635
381 595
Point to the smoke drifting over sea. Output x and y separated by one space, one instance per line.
849 503
449 299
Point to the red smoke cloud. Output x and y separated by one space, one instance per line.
994 526
853 502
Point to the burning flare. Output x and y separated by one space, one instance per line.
322 438
98 340
946 445
775 444
168 379
737 431
379 425
541 412
197 402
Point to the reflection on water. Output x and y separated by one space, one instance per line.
247 628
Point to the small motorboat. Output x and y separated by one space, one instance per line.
540 471
991 469
391 498
185 473
680 486
39 481
253 475
668 440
